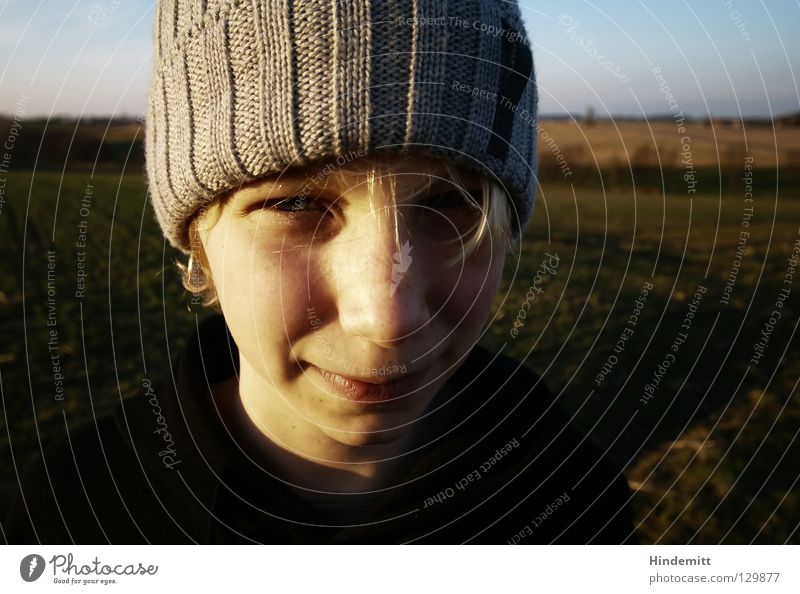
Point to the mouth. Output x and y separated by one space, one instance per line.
372 390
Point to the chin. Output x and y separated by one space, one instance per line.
368 432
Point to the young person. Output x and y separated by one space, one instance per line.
346 179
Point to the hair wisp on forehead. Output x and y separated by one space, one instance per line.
493 202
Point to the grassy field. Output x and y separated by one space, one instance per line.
711 452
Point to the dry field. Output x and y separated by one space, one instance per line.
612 143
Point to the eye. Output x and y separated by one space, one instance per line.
300 203
450 200
289 206
447 216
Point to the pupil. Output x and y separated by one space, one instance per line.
294 203
447 200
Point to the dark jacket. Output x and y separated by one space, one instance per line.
164 469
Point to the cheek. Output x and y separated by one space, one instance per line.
263 293
475 289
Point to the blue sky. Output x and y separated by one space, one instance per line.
719 57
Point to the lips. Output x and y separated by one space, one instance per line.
357 390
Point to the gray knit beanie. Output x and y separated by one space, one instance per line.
247 88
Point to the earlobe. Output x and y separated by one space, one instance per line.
196 273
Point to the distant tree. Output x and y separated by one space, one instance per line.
589 120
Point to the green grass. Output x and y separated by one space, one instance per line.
702 453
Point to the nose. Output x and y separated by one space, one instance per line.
383 286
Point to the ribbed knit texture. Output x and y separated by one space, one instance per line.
247 88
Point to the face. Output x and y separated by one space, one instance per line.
336 289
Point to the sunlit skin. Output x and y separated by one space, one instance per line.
312 287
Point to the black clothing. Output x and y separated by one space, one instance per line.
163 469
